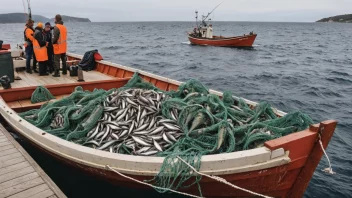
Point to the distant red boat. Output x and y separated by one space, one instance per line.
237 41
202 34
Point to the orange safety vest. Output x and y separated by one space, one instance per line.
41 53
61 46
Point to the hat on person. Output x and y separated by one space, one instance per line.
47 23
40 25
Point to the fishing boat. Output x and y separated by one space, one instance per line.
283 167
203 35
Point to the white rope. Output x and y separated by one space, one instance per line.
222 180
329 169
125 176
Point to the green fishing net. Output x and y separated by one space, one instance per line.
210 124
41 94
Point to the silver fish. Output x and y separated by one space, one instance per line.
157 146
148 153
144 126
166 139
140 141
107 144
171 127
157 130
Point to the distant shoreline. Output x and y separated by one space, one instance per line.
346 18
21 18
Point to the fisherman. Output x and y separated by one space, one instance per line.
60 46
28 38
40 50
50 49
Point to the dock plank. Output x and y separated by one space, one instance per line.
43 194
31 192
8 151
4 148
12 162
4 144
20 175
21 187
19 180
14 168
11 156
13 175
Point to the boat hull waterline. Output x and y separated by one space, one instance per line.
283 168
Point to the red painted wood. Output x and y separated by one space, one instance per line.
153 81
172 87
293 143
161 85
15 94
120 73
128 74
106 69
239 41
326 130
112 71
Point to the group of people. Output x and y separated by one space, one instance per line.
46 45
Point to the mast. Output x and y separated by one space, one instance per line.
29 10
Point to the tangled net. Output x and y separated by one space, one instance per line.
41 94
210 124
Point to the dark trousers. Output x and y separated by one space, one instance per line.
43 67
57 58
29 56
50 58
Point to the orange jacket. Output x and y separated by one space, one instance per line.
60 47
28 36
40 50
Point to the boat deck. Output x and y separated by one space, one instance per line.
20 175
34 79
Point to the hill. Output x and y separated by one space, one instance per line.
346 18
21 18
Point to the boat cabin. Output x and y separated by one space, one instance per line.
206 31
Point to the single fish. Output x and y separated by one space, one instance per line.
140 141
157 146
107 144
171 127
157 130
166 139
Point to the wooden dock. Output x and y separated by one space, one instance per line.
20 175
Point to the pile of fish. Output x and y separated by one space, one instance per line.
132 119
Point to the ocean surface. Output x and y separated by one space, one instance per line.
294 66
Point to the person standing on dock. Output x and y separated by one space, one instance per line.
28 38
60 46
50 49
40 50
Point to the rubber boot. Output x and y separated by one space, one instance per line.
57 73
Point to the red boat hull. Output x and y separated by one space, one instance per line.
238 41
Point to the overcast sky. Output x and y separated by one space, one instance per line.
183 10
